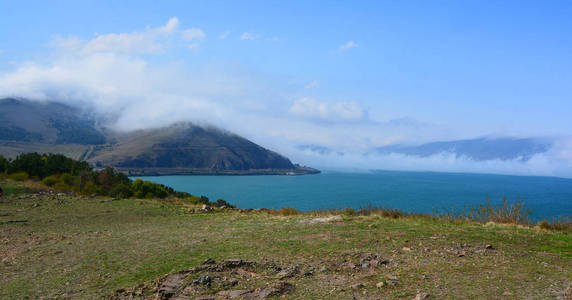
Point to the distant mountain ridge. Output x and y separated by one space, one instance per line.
479 149
183 148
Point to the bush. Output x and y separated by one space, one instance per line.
287 211
147 189
67 178
349 212
193 199
120 191
4 163
19 176
560 224
51 180
221 203
507 212
61 186
204 200
91 188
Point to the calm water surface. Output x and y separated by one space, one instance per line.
409 191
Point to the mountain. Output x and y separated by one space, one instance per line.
479 149
183 148
46 122
187 148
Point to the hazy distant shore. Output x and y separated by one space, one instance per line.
210 172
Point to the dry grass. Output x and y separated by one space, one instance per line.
507 213
559 224
78 247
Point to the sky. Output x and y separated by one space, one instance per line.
350 76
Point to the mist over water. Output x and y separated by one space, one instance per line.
420 192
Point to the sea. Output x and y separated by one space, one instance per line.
418 192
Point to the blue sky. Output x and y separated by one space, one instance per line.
348 75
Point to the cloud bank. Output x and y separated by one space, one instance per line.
126 78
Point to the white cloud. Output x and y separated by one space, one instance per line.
224 35
248 36
348 45
135 92
540 164
194 46
171 26
149 41
192 34
338 111
312 84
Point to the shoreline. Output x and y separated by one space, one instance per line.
146 172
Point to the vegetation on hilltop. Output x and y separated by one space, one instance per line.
66 174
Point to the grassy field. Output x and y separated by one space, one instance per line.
78 247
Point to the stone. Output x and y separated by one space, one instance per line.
380 284
203 280
393 280
288 272
357 286
421 296
270 290
489 247
232 293
383 262
406 249
171 284
233 281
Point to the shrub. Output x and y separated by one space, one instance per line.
60 185
507 212
91 188
146 189
204 200
349 212
120 191
221 203
50 180
288 211
193 199
560 224
19 176
4 163
67 178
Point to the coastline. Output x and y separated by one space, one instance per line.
143 172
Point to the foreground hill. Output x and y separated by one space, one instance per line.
64 246
50 127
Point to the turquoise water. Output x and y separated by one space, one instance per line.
408 191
